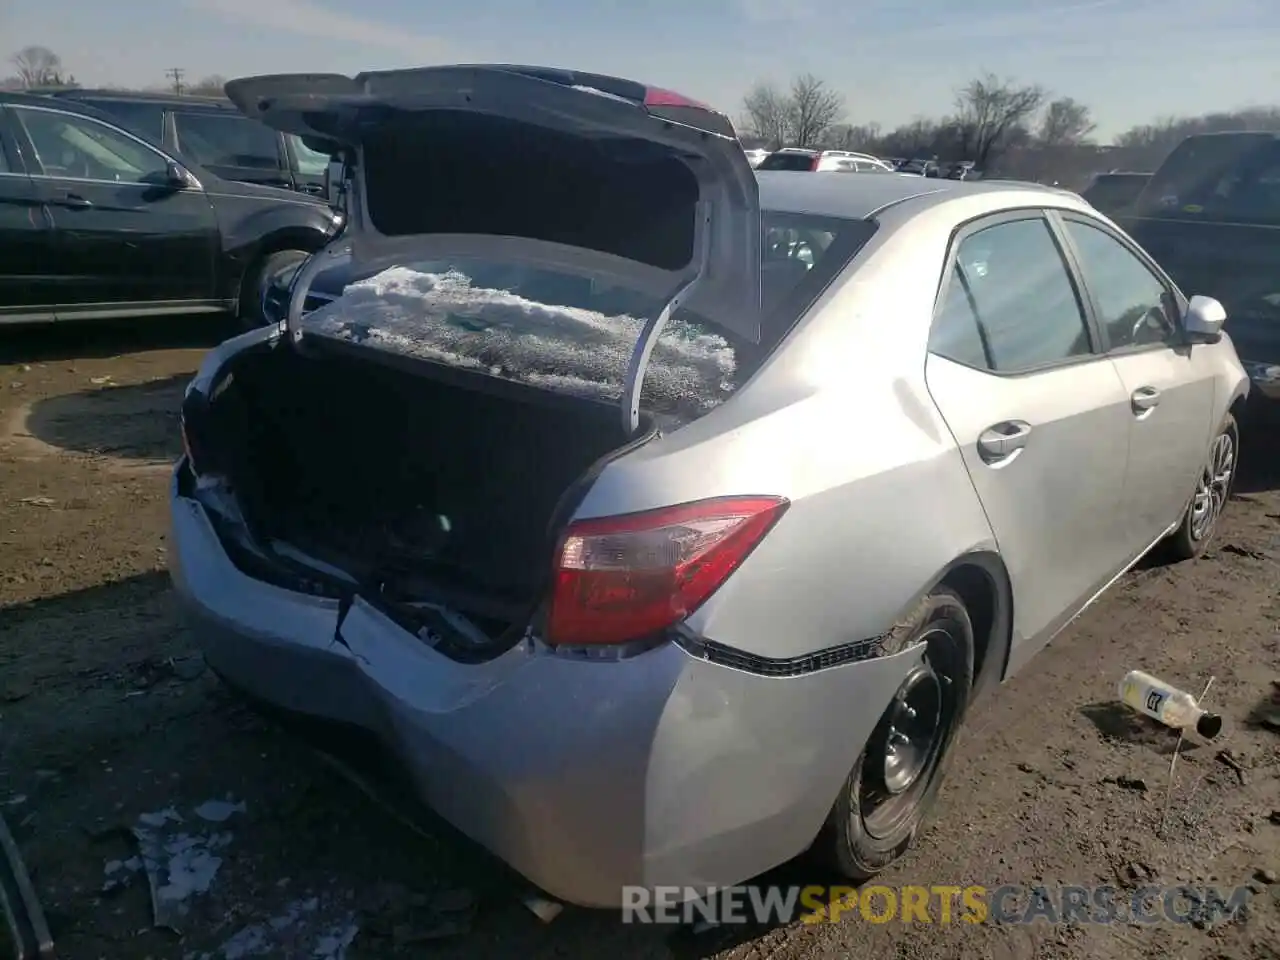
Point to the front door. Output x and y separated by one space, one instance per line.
1170 384
28 290
128 238
1039 414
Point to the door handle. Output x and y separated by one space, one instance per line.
1003 440
1144 399
74 201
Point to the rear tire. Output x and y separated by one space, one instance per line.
255 284
1213 490
895 781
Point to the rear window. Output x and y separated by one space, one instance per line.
1222 176
787 161
1110 192
227 140
144 119
574 335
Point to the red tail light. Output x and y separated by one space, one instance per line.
813 167
628 577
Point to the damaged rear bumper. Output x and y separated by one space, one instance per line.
585 777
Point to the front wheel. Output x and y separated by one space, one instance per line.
258 279
895 781
1213 489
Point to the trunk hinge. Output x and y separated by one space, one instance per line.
311 268
639 364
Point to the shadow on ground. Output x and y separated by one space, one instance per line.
109 338
135 421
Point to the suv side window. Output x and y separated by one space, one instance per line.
84 149
1134 306
142 118
1009 303
214 140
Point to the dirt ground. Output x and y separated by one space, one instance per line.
116 744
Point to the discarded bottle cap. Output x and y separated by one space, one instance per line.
1209 725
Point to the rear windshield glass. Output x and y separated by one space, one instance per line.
1111 191
574 335
1222 176
787 161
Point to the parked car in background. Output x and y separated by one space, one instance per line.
920 167
1116 192
756 155
823 161
1211 215
98 221
213 133
592 559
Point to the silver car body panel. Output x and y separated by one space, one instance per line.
664 768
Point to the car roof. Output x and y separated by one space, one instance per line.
69 104
861 197
143 96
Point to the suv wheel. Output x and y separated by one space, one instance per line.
257 281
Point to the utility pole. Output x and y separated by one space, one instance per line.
175 74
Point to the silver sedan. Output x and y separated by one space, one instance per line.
665 522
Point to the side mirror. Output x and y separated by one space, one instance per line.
1204 320
176 175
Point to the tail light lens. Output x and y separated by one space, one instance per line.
628 577
813 167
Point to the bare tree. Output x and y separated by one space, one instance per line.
814 108
39 67
210 86
768 113
988 111
1066 122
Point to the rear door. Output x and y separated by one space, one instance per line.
1039 413
126 238
1170 383
233 147
28 289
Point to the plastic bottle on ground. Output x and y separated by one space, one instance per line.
1173 707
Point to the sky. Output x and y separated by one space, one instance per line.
1130 60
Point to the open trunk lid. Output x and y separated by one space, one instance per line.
598 177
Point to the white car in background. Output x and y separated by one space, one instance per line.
756 156
823 161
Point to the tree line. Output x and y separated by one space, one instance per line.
38 67
1003 126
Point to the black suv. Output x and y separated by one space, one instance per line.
215 135
97 221
1210 215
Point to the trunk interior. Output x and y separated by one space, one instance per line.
440 490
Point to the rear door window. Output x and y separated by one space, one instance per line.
1010 302
144 119
574 335
217 140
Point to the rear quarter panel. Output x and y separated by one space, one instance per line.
839 422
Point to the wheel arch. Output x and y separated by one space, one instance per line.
982 582
285 238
